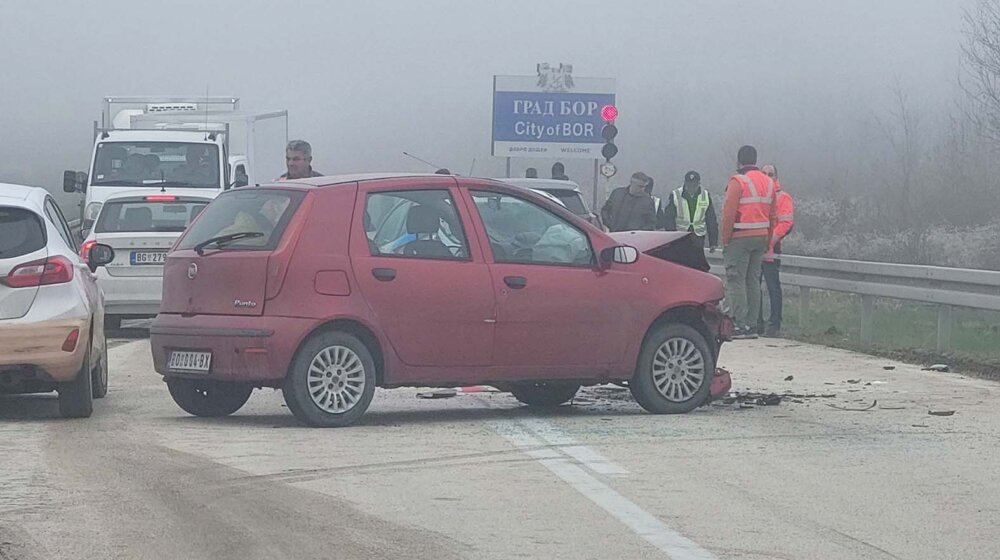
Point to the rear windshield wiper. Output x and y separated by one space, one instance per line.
224 239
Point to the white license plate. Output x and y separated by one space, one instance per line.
148 257
183 361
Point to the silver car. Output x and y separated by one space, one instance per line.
51 308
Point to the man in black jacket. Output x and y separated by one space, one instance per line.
690 208
630 208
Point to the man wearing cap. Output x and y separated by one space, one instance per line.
689 208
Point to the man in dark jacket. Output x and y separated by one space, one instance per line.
690 208
630 208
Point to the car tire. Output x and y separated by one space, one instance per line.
207 398
112 322
331 381
543 395
100 375
674 372
76 397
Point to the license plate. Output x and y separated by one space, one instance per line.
184 361
147 257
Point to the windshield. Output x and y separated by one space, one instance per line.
571 199
149 216
245 211
179 164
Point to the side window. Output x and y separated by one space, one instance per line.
522 232
56 217
417 224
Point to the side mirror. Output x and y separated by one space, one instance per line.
622 254
240 181
74 181
99 256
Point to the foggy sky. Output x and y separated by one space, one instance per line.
364 81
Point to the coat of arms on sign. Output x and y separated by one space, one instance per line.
555 78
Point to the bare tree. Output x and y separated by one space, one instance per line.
981 57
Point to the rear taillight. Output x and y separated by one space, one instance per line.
69 344
53 270
85 249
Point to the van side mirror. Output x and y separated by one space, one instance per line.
622 254
74 181
99 255
240 181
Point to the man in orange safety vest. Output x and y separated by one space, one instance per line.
748 218
771 265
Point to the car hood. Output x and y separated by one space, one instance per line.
647 241
663 245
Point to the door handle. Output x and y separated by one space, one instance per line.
384 274
515 282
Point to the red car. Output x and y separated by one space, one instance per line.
329 287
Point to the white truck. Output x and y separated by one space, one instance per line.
155 143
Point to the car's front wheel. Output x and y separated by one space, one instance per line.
331 382
674 372
207 398
543 394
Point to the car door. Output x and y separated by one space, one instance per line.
430 291
556 311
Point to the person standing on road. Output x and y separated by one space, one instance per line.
771 263
630 208
298 161
748 217
689 208
559 172
657 203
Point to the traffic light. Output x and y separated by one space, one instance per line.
609 113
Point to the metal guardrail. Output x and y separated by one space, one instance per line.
946 287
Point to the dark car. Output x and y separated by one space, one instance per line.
329 287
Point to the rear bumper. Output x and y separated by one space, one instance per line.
244 349
131 295
31 347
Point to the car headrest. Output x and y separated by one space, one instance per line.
137 218
369 225
423 220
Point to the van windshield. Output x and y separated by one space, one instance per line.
177 164
245 211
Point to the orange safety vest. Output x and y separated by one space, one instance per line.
786 219
756 198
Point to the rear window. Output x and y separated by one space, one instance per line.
253 210
21 232
137 216
572 200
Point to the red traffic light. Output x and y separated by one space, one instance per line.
609 113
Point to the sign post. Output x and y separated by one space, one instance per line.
552 115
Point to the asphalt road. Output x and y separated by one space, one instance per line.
478 476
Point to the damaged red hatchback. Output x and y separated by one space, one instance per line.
329 287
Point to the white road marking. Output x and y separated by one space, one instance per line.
641 522
585 455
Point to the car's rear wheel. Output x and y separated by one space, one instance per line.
332 380
208 398
100 375
674 372
76 397
543 394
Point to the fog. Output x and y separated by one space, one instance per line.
364 81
